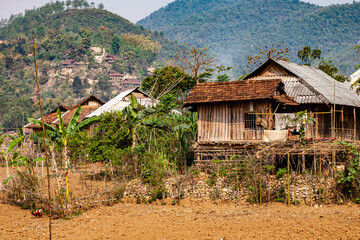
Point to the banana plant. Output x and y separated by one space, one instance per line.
186 125
65 133
7 155
135 116
27 162
54 141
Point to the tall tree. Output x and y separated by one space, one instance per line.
196 60
101 6
115 45
77 85
308 56
169 79
330 69
263 53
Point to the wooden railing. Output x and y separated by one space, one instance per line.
344 134
248 134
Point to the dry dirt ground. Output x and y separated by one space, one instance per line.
190 220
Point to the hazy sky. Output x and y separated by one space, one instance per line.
132 10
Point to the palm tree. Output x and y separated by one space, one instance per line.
356 85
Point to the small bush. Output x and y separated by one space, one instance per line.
281 172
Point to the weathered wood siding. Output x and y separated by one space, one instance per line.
225 122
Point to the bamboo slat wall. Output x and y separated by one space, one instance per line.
225 122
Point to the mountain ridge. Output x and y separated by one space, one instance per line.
237 28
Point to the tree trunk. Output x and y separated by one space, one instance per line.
133 141
66 161
54 165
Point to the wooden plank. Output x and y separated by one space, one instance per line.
227 122
213 123
242 122
199 122
354 111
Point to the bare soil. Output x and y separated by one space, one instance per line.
190 220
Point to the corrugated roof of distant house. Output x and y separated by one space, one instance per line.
113 73
91 97
119 102
68 62
211 92
314 80
131 81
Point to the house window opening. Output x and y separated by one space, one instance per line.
250 121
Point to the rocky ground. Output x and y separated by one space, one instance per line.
189 220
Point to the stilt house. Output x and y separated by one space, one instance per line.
254 109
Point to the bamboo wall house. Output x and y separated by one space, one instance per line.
257 109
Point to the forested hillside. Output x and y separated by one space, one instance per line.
78 47
233 28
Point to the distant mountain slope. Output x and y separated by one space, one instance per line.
78 53
232 29
49 18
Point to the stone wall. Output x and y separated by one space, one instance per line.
303 189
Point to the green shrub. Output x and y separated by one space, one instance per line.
281 172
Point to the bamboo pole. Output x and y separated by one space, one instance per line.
260 182
342 123
43 127
288 168
320 183
334 114
332 122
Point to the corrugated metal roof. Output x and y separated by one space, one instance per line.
323 84
294 89
355 76
312 85
119 102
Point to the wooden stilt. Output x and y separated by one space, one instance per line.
342 123
354 124
260 193
320 173
288 168
303 164
332 122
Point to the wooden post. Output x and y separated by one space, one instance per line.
320 173
354 124
44 137
260 182
342 123
288 168
303 164
332 122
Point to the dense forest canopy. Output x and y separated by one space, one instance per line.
233 28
